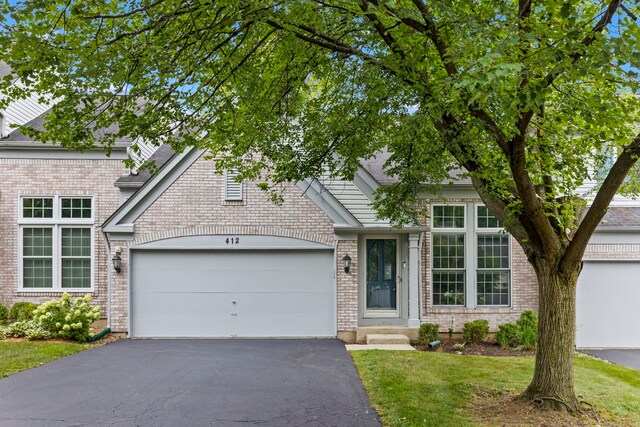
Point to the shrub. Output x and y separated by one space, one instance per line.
4 314
508 335
67 318
475 331
21 311
459 346
28 328
428 332
522 334
3 332
528 324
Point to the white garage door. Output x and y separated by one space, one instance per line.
242 293
608 305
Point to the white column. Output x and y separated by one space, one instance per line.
414 280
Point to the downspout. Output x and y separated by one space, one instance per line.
108 248
420 283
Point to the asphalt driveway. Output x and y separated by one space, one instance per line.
624 357
192 383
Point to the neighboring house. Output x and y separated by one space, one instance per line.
205 256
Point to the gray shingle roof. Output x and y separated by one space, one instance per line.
5 69
161 157
375 166
38 123
618 216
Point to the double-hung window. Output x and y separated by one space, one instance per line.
56 243
470 257
448 255
493 260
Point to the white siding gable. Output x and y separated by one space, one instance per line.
356 202
22 111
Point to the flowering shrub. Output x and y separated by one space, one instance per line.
67 318
27 328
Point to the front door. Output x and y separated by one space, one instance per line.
381 278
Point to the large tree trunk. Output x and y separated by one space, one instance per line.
552 383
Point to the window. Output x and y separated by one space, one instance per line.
232 188
448 255
493 260
56 235
458 260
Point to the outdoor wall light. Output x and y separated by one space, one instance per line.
116 261
347 263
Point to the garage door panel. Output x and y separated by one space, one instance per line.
286 304
172 325
192 293
608 305
300 325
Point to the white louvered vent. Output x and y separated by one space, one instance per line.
232 188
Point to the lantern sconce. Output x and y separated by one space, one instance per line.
117 261
347 263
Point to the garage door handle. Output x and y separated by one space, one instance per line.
234 314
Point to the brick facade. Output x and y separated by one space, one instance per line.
347 286
53 177
195 205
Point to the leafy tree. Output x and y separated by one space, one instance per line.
530 98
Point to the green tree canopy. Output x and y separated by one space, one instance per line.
531 99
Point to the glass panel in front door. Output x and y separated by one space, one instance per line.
381 274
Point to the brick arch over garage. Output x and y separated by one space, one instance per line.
250 230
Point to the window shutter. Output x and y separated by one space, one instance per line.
232 188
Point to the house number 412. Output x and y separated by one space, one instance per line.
232 240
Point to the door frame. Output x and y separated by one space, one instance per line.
373 314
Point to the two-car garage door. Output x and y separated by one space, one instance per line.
608 305
233 293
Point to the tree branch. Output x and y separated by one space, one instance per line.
598 209
605 20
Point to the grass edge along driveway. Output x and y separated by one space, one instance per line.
437 389
17 356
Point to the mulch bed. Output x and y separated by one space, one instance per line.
480 349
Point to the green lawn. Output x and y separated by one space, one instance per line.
16 356
437 389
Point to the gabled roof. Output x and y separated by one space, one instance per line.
121 223
17 139
160 158
621 216
375 166
5 70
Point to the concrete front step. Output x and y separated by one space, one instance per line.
394 347
363 331
387 339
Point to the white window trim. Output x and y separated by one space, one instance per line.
55 223
451 230
493 231
471 253
445 229
229 180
